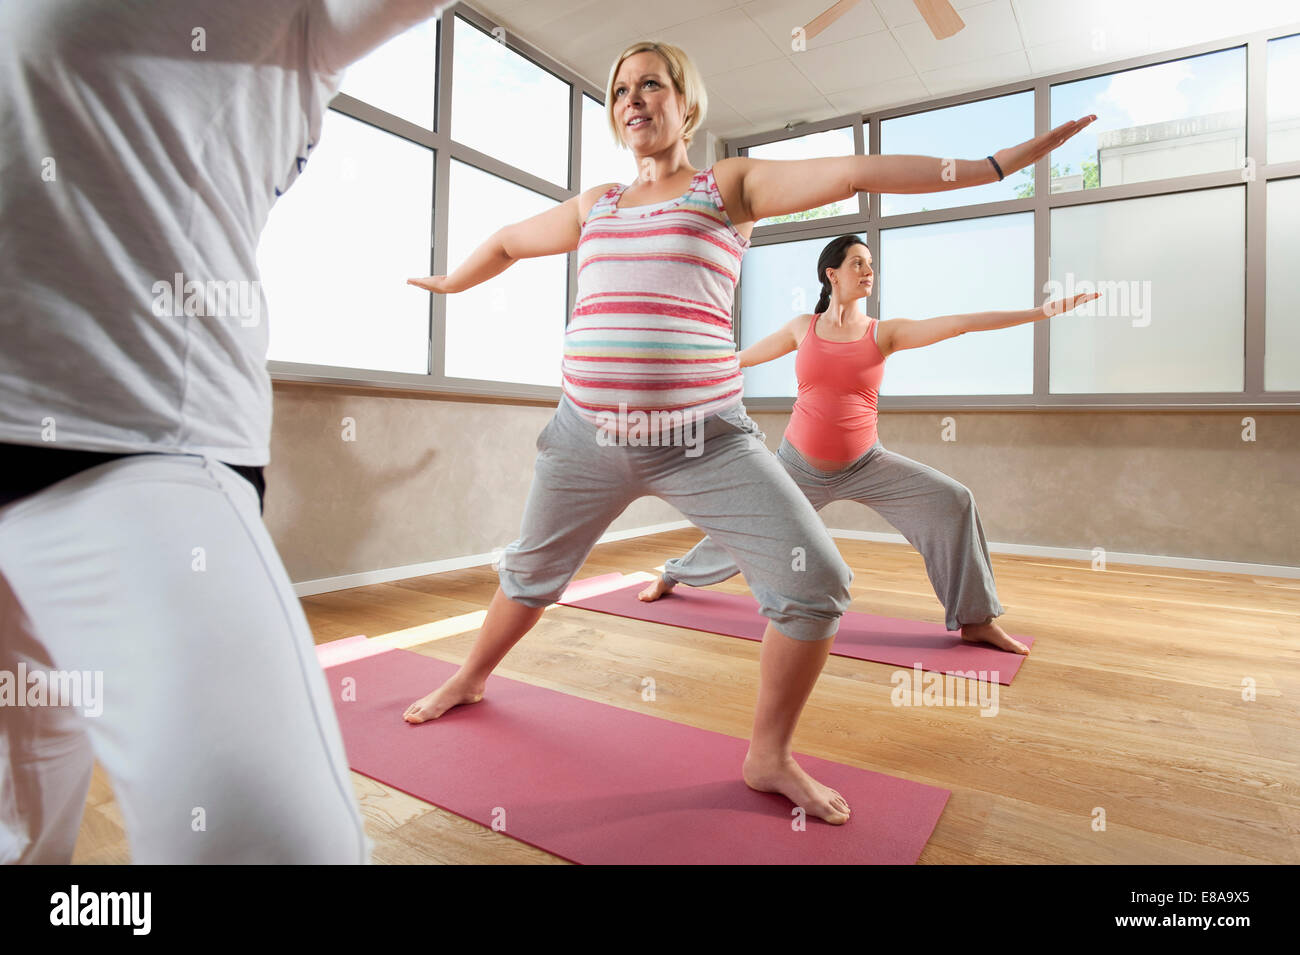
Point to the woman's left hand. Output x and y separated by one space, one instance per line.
1059 305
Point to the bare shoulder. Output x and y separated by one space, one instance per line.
589 197
799 327
729 174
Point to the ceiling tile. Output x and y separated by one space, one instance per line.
1077 52
720 42
991 28
765 89
723 121
1046 21
635 17
853 63
779 18
992 71
896 13
895 92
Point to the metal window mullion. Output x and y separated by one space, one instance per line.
1256 225
1042 344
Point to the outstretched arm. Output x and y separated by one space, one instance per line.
776 187
896 334
780 342
547 233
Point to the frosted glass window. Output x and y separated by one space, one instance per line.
507 106
603 160
1171 272
339 246
1282 295
950 268
511 327
1172 119
1284 99
831 142
401 76
777 282
968 131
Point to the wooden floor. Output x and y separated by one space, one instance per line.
1131 703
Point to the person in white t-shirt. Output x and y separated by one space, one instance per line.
144 147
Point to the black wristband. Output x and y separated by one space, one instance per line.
998 168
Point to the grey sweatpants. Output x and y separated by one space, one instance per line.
936 514
733 489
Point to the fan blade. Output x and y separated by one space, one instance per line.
824 19
941 17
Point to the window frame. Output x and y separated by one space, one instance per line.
869 225
866 131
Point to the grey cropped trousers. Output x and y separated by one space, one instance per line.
936 514
728 484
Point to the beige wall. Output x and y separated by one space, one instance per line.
428 479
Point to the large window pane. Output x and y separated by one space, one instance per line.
603 160
1282 295
511 327
1171 272
1155 122
832 142
777 282
962 132
401 76
949 268
339 246
1284 99
509 107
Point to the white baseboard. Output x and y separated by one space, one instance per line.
388 574
326 584
1112 557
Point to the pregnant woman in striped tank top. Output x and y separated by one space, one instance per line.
652 389
831 450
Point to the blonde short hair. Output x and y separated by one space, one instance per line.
685 77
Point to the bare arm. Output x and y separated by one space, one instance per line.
780 342
895 334
547 233
775 187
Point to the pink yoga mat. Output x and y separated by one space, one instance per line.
596 784
861 636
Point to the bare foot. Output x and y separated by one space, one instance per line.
452 693
990 632
655 590
788 778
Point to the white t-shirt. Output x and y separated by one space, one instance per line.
143 147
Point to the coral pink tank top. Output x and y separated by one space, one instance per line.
834 415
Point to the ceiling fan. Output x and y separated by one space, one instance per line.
939 15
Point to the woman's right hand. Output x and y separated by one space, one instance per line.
433 283
1030 151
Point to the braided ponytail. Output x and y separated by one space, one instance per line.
824 302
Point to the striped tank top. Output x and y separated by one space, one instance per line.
651 324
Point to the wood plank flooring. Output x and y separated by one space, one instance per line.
1131 704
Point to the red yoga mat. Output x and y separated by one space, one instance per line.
862 636
596 784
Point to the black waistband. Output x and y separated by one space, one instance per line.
28 468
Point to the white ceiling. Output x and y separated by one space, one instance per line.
879 54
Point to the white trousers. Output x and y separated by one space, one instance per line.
155 575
